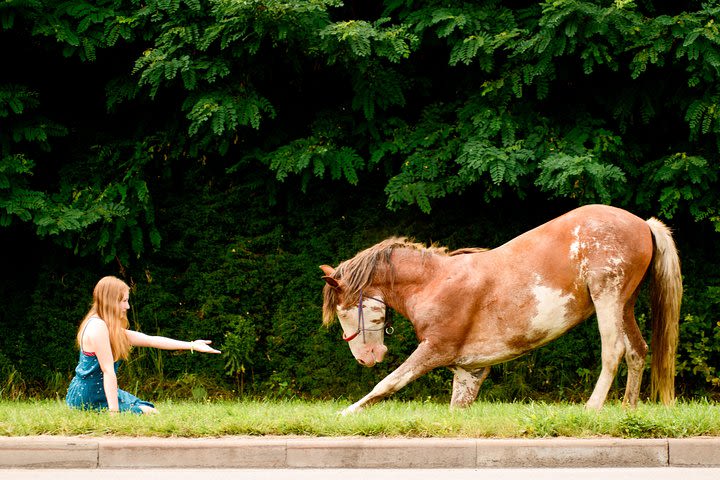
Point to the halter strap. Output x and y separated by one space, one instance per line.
361 321
387 323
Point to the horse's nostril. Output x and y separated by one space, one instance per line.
361 361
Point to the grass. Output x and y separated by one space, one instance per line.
388 419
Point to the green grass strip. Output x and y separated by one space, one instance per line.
388 419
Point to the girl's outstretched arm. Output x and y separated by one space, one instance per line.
139 339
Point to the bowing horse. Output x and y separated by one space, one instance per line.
473 308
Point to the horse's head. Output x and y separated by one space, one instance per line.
362 318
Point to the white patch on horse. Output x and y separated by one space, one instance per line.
613 275
616 261
575 246
551 310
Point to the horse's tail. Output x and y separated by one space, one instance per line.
666 294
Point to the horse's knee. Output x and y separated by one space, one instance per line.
612 356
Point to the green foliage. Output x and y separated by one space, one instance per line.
580 177
378 88
224 112
103 204
24 133
12 385
700 337
215 59
703 116
14 99
214 152
357 39
474 33
238 346
321 154
683 178
597 36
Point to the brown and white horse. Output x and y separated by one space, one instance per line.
474 308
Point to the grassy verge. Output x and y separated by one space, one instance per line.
389 418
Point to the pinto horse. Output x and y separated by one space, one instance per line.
473 308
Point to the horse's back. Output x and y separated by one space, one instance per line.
588 239
600 221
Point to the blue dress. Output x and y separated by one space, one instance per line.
86 391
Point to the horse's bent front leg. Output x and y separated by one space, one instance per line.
421 361
466 385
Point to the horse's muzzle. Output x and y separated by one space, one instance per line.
371 354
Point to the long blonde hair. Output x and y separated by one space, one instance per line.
107 295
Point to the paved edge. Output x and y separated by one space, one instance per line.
353 452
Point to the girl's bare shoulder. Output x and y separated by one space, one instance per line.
96 326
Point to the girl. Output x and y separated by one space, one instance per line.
104 339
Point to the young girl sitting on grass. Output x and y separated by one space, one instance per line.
104 340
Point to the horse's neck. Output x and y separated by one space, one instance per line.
413 266
411 270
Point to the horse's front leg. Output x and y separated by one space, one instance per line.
421 361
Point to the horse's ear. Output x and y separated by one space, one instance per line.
331 281
329 271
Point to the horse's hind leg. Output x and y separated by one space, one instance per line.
635 352
466 385
609 313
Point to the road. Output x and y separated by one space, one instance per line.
666 473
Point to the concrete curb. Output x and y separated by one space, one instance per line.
353 452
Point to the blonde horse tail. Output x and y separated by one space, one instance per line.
666 295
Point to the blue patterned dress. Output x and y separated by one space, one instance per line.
86 391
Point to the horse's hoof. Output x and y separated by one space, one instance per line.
348 411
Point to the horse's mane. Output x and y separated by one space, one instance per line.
359 271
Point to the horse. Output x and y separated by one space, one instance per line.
473 308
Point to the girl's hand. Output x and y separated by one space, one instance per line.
202 346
